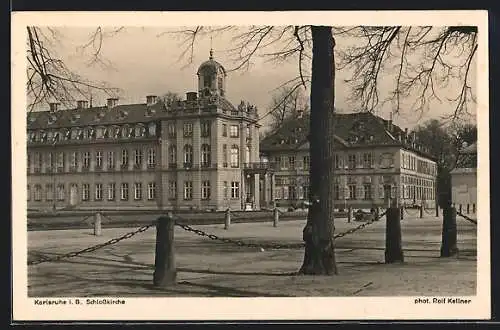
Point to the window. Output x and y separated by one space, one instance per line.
249 132
224 189
224 155
337 161
205 128
305 191
207 81
137 190
205 189
352 191
138 158
205 155
111 191
151 158
60 192
38 162
86 160
172 156
98 159
292 192
235 189
172 133
124 158
367 191
38 193
235 157
49 191
28 162
172 190
224 129
234 131
188 129
307 162
51 162
367 160
85 191
152 129
188 155
336 192
28 192
74 161
188 190
124 191
111 160
352 161
98 192
291 162
151 190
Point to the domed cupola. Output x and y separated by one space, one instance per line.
211 78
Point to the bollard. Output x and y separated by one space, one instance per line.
449 232
349 214
98 224
437 210
165 273
276 217
421 211
377 213
474 208
468 209
227 219
393 247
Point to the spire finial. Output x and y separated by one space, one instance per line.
211 49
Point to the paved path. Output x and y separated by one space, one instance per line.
211 268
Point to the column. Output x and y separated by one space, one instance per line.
273 188
256 191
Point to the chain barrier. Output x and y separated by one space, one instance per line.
467 218
91 248
413 215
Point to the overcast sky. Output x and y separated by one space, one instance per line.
145 61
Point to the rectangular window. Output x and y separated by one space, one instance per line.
85 191
352 161
336 192
367 160
291 162
74 161
38 162
224 130
234 131
172 132
337 161
38 193
124 158
28 163
98 192
51 162
86 160
188 129
98 160
235 189
151 190
137 190
205 190
367 191
124 191
352 191
49 191
111 191
205 129
188 190
138 158
307 162
225 188
151 158
111 160
60 192
172 190
224 155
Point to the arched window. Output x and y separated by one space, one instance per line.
235 157
172 156
188 154
152 129
247 155
205 155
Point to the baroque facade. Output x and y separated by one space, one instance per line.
201 152
374 160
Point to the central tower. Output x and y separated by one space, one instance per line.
211 78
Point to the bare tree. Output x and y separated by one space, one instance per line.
48 76
286 104
420 61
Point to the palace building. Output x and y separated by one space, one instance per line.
201 152
375 159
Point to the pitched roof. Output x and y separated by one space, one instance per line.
351 130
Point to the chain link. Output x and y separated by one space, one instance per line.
467 218
91 248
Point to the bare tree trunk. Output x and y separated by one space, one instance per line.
319 257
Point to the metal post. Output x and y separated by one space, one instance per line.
393 246
468 208
276 217
227 219
449 232
97 224
165 273
401 209
349 214
421 211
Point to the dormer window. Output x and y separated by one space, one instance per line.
52 119
116 132
67 134
140 130
123 114
50 136
152 129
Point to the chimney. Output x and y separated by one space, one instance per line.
191 96
82 104
112 102
53 106
389 123
151 99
